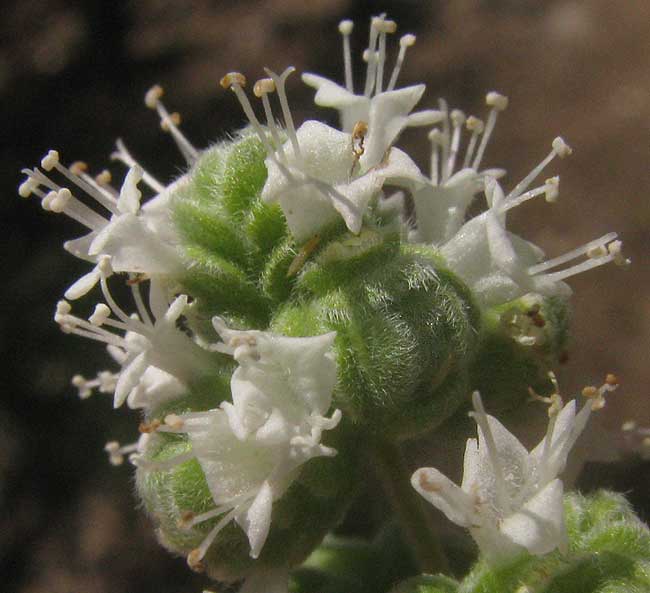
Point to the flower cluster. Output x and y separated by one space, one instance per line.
368 286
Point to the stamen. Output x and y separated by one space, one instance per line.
74 174
457 120
284 103
436 138
571 255
345 29
235 81
116 453
195 556
498 103
370 56
385 27
60 199
405 42
597 394
476 127
170 122
560 149
615 250
444 139
261 89
100 315
550 190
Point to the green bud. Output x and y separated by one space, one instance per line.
405 330
521 341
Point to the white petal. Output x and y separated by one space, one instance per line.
256 522
134 248
387 118
81 246
156 387
129 378
539 525
446 496
512 456
129 200
83 286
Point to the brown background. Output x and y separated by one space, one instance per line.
72 77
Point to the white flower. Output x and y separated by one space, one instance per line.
386 112
251 449
442 204
320 173
499 266
509 499
138 240
327 179
158 360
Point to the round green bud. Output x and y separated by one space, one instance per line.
521 341
405 327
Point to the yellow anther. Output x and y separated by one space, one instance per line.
194 560
233 79
104 178
264 86
474 124
78 167
173 119
153 95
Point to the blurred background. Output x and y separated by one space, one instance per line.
72 77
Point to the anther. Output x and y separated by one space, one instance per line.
615 249
78 168
345 27
474 124
174 421
100 315
611 379
552 192
496 100
185 520
233 79
167 122
153 95
597 251
457 117
407 40
628 426
194 560
50 160
104 177
149 427
63 309
264 86
384 25
27 187
561 148
60 200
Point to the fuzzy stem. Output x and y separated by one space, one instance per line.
409 508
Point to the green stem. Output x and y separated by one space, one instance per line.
410 508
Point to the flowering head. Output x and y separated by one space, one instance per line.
351 295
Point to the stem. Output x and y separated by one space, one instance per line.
409 508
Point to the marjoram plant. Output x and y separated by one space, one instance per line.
302 301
